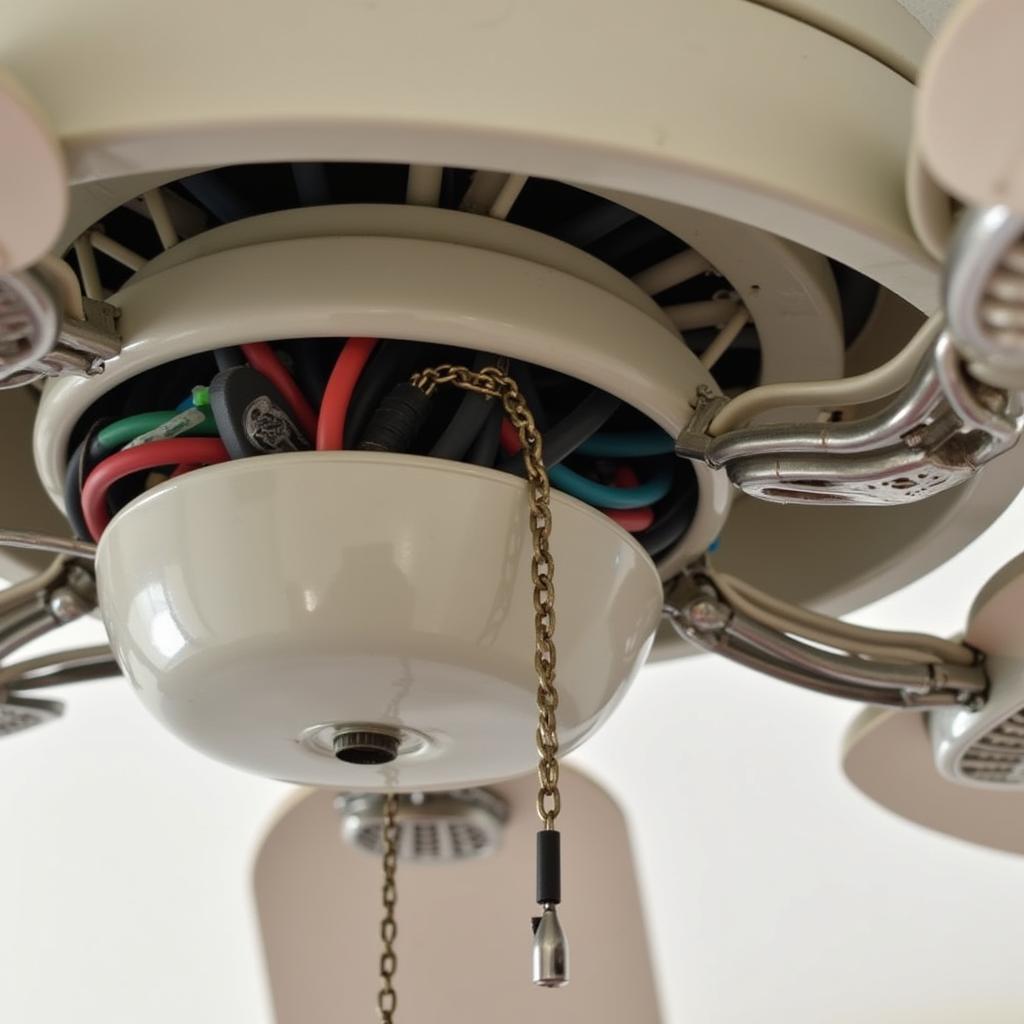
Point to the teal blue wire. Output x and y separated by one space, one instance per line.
637 444
602 496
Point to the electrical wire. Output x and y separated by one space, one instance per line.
603 496
773 612
79 466
190 451
29 591
674 518
375 380
121 432
633 520
361 374
311 361
263 358
228 358
468 420
488 442
600 495
884 380
197 397
724 338
330 435
564 437
523 376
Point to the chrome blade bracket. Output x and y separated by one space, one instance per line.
934 434
38 340
701 613
29 609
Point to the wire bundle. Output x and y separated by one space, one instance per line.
334 398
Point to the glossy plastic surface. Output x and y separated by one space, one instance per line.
252 602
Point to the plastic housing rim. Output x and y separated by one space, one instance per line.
250 602
416 289
807 135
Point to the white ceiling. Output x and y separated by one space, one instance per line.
775 892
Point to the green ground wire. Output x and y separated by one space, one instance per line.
117 435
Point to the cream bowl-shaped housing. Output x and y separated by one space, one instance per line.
261 606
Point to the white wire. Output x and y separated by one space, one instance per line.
161 217
116 251
507 196
484 189
87 268
683 266
884 380
66 281
724 338
424 185
695 316
918 648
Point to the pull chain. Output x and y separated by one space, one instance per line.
387 998
550 949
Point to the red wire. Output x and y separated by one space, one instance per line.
190 450
182 470
263 358
632 519
509 438
330 433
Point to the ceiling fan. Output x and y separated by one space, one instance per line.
326 385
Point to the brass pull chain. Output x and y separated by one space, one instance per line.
550 950
493 383
387 998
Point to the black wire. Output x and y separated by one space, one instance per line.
675 518
312 359
374 381
468 420
83 459
228 358
561 440
523 376
485 448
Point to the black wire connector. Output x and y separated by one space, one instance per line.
397 420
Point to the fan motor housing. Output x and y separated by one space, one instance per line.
265 607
